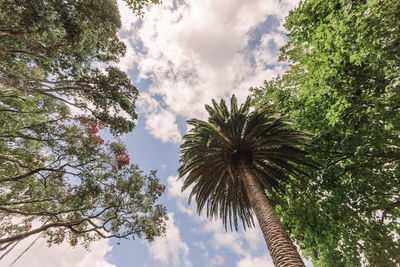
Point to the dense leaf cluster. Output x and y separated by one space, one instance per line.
343 85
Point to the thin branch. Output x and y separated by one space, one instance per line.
32 172
23 252
38 230
35 54
8 251
29 201
30 79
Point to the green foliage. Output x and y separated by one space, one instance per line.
55 168
343 85
137 6
213 154
60 38
50 49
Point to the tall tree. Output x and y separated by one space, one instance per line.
50 49
57 174
59 177
343 85
233 158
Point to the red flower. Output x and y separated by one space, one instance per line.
123 160
97 139
74 242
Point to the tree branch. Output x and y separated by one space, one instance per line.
38 230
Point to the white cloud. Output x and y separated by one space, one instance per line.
216 260
230 240
243 243
127 62
170 249
197 50
265 53
255 262
254 238
200 245
147 104
175 188
63 255
128 19
162 125
181 198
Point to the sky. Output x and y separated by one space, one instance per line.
180 55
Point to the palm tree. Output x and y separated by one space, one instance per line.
235 157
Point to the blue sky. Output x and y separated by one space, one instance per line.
181 55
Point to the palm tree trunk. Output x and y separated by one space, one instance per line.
281 248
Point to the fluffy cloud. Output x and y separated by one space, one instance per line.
181 198
196 50
253 238
242 243
63 255
162 125
255 262
175 188
230 240
170 249
216 260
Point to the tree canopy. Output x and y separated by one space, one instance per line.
50 49
58 176
343 86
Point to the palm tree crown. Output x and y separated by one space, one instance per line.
214 153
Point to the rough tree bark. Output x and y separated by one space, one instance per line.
281 248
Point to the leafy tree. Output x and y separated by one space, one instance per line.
343 85
55 168
59 171
50 49
233 158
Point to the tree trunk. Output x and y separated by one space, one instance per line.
281 248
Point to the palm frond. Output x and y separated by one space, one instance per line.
211 152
